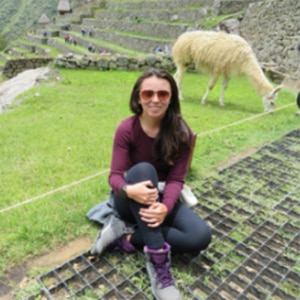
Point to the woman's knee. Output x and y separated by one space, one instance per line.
207 238
141 172
200 238
204 237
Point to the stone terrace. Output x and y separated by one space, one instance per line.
140 26
134 27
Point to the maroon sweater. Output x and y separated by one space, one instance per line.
131 146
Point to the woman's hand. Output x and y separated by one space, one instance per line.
154 215
142 192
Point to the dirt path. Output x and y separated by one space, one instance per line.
17 279
17 85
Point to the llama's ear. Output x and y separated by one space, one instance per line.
276 90
272 96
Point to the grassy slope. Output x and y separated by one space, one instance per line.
18 16
8 8
65 134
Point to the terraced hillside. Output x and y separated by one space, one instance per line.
129 27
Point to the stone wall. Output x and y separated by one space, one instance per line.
106 62
223 7
149 5
273 30
176 14
15 66
165 31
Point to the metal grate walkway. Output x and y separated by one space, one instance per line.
253 208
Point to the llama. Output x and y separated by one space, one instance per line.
221 54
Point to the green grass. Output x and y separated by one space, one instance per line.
61 133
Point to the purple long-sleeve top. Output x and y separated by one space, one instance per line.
131 146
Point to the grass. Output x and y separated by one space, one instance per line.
57 134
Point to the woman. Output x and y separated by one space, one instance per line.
149 147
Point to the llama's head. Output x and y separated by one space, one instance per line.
270 99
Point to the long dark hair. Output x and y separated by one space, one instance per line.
174 132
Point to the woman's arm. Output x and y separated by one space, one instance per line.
175 179
120 161
124 143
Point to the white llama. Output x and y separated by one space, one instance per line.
221 54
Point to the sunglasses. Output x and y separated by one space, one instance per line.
162 95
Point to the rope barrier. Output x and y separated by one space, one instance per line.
242 121
53 191
105 171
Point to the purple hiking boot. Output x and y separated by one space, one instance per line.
113 237
158 266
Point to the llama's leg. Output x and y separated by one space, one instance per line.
224 87
210 86
178 78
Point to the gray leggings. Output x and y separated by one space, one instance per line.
183 229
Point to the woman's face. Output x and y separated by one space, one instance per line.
155 95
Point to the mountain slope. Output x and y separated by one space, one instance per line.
17 16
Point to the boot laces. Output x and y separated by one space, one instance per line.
164 276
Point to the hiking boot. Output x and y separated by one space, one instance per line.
112 236
158 263
121 244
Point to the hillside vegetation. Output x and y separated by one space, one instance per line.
18 16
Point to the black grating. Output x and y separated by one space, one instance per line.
253 208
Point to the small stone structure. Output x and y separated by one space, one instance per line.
43 21
64 7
